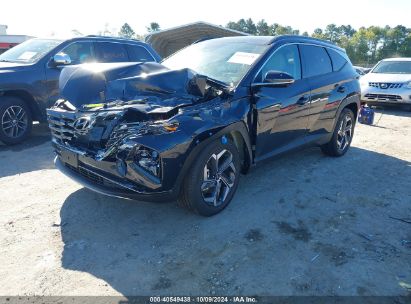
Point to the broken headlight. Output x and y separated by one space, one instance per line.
149 160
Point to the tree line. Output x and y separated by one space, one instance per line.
127 32
365 46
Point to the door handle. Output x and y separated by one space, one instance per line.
303 100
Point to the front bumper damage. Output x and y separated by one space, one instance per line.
114 158
135 145
102 183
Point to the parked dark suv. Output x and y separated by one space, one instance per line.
187 127
29 75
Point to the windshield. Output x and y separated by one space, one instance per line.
393 67
220 59
29 51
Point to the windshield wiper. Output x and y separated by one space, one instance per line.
220 85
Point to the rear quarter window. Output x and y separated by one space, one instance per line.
316 61
338 61
139 53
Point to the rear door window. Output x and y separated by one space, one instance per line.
316 61
138 53
111 52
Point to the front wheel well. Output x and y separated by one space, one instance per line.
243 151
27 98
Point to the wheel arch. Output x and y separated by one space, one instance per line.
353 107
351 102
27 98
237 132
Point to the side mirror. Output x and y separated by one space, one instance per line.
278 78
61 59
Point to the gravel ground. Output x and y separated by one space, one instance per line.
304 224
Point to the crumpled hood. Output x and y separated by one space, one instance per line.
389 78
87 83
154 85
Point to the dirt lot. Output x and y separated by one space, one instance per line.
305 224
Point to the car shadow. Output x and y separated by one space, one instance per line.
393 110
33 154
143 248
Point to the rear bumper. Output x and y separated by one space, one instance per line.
116 189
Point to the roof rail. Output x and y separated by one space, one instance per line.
307 39
111 37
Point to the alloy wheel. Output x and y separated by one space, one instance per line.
14 121
344 134
218 178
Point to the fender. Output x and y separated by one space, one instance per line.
203 139
350 99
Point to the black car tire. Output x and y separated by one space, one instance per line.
196 193
14 131
334 146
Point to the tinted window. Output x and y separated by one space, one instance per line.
79 52
315 61
337 60
285 59
111 52
138 54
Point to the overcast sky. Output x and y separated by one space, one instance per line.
49 17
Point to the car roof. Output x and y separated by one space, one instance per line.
397 59
107 38
305 39
268 40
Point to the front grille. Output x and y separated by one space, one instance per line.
383 97
87 174
385 85
91 176
61 125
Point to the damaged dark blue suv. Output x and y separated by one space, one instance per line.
187 128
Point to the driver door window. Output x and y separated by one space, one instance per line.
285 59
80 52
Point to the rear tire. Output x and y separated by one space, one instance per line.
342 135
15 120
211 182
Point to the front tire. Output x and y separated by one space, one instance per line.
342 135
15 120
211 182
